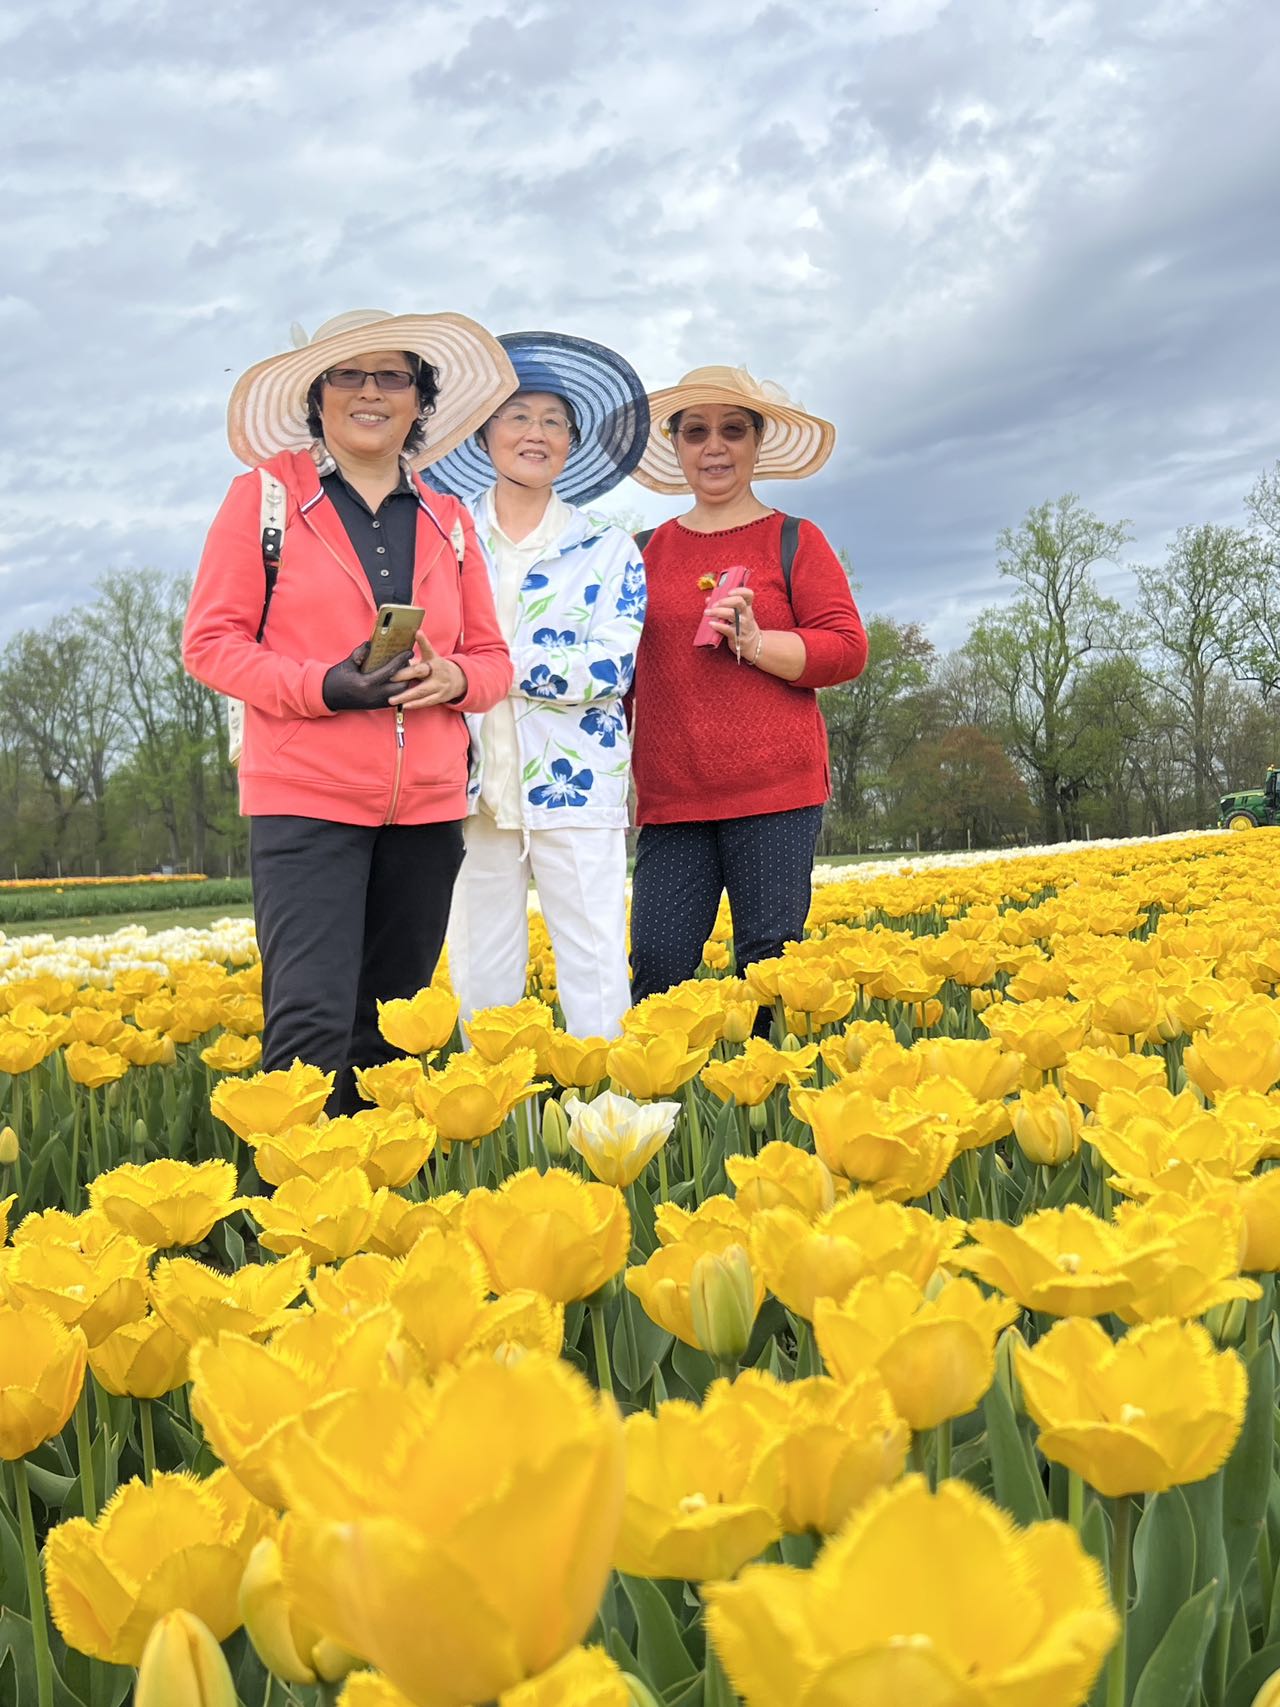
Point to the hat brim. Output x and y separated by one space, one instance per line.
267 411
608 402
794 445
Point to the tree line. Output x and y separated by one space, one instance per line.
1065 713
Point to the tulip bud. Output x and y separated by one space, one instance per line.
1226 1323
282 1642
1269 1694
183 1666
791 1042
1047 1126
739 1022
640 1695
555 1129
723 1299
168 1053
1007 1369
757 1117
9 1149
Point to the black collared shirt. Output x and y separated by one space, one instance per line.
383 538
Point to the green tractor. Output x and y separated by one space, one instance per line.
1253 805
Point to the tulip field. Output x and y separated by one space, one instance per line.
919 1353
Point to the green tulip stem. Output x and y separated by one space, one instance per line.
1121 1520
35 1590
727 1368
695 1140
1075 1500
600 1340
148 1440
664 1187
1252 1326
717 1691
775 1114
919 1463
524 1135
84 1454
327 1693
942 1440
76 1127
469 1167
95 1142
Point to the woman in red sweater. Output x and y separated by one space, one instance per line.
729 750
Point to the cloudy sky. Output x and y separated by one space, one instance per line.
1011 247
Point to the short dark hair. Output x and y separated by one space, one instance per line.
575 431
426 379
757 421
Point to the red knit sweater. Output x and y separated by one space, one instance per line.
716 739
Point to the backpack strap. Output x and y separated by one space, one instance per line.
790 545
644 536
271 516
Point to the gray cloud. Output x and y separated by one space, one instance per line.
1011 251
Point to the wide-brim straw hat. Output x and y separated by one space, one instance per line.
267 412
608 402
794 444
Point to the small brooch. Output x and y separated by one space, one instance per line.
706 583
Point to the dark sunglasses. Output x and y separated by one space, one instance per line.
352 378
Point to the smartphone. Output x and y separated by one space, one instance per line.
394 629
728 579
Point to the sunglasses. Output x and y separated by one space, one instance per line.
732 432
553 422
352 378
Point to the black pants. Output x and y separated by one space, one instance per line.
346 916
766 866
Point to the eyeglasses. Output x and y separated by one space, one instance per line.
352 378
554 424
732 432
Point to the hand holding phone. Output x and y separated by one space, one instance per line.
727 581
395 629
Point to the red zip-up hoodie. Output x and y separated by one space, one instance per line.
301 759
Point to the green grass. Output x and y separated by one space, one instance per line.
102 924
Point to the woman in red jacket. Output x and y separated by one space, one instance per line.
354 783
729 750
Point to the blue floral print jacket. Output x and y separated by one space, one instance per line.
573 651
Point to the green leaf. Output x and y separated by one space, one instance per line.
1013 1462
1251 1676
1066 1183
663 1658
52 1489
1164 1563
1246 1482
1171 1676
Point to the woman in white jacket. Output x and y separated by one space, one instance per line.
549 794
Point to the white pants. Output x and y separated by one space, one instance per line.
581 877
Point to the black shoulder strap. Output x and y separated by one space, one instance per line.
272 542
790 545
644 536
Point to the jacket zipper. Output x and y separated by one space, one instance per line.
395 781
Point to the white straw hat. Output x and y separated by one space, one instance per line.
794 443
267 412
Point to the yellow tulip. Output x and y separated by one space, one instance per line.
846 1052
781 1176
231 1054
471 1553
93 1067
585 1677
41 1374
21 1051
91 1025
422 1024
704 1226
1152 1410
1236 1060
1269 1694
10 1150
391 1084
470 1097
936 1354
183 1665
1201 1269
325 1219
810 991
704 1492
96 1290
495 1033
895 1151
399 1224
838 1443
178 1543
166 1202
1260 1201
801 1263
310 1152
575 1062
922 1597
751 1077
286 1644
1066 1262
693 1010
550 1233
988 1072
6 1204
664 1284
1047 1126
1044 1032
200 1303
268 1102
1091 1073
655 1066
144 1359
1146 1151
618 1138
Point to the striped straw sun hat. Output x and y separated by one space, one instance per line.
795 443
267 412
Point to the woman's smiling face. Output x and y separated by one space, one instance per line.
369 422
529 439
717 445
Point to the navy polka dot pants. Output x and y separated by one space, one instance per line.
766 866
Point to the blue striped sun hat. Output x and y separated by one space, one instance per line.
608 401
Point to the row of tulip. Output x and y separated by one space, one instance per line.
923 1351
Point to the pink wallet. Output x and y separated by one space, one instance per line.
728 579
